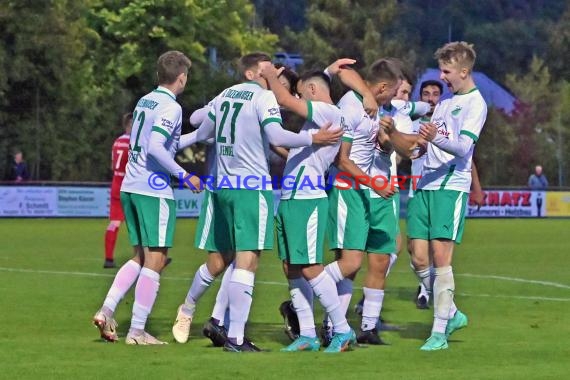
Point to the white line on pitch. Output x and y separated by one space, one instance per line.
538 298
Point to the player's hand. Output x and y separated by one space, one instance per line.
419 151
478 197
267 70
370 105
385 190
387 124
195 185
428 131
327 135
335 67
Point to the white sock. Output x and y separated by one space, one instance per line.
393 258
423 291
202 281
344 289
222 300
124 279
334 271
372 307
443 290
145 295
424 277
241 297
303 304
324 287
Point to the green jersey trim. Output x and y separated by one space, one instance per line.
297 179
447 177
161 131
309 111
346 139
413 108
212 117
468 92
271 120
166 93
469 134
358 96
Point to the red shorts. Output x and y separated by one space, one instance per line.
116 210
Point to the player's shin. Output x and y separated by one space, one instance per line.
302 298
444 289
240 299
324 287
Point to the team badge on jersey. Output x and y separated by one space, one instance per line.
456 111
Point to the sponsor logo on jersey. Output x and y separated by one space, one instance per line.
166 123
274 111
441 127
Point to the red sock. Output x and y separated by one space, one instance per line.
110 240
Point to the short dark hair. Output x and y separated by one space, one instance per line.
319 74
431 82
291 76
251 60
384 70
170 65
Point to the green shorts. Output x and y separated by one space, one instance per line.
384 225
243 220
150 220
204 237
437 214
301 225
348 223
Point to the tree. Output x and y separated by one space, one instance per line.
343 28
72 68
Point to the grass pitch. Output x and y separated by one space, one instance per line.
511 280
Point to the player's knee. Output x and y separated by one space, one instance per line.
215 265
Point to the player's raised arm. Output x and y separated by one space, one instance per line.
354 81
282 94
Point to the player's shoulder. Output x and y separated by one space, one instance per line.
351 98
477 98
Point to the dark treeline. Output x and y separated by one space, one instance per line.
69 69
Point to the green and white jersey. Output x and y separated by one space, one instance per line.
384 164
364 130
239 113
156 112
463 114
304 176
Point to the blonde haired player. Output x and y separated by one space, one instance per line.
437 211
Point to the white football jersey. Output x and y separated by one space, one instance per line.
462 114
156 112
304 176
363 129
240 113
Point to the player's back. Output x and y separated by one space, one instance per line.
157 111
364 129
307 166
120 155
240 113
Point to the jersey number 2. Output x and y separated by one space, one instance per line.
225 108
137 147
